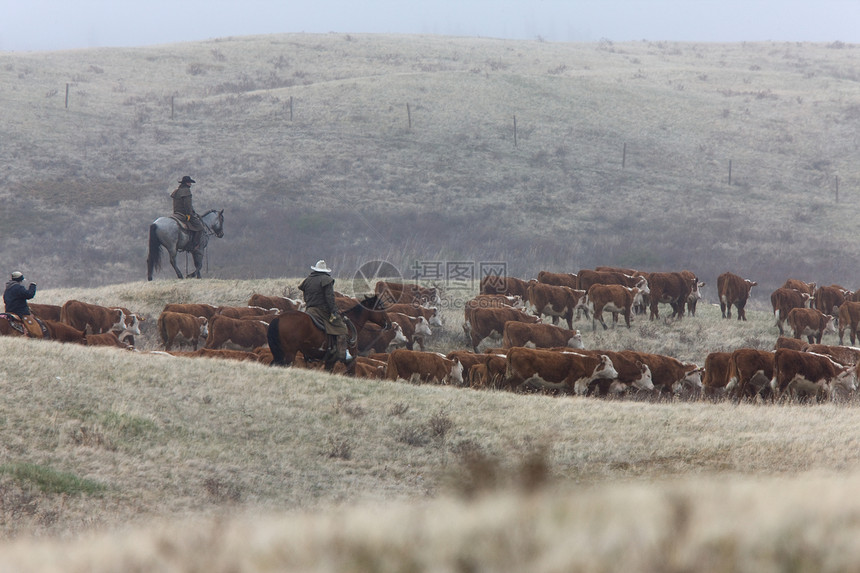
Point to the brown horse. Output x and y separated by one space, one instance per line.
293 331
9 326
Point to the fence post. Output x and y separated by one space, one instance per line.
409 115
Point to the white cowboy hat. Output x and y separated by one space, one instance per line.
321 267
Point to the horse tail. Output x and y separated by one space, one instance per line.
153 257
274 339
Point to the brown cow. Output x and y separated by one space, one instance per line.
588 277
669 288
539 335
222 353
364 367
733 290
194 309
564 372
373 338
695 292
414 329
783 300
490 373
181 328
827 299
510 286
488 301
750 372
631 373
811 323
414 310
716 374
98 319
844 355
246 334
62 332
800 286
553 301
406 293
613 298
246 311
490 322
109 338
849 317
282 303
787 342
425 366
46 311
669 374
568 280
801 374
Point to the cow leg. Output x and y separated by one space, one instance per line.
627 317
569 318
742 313
852 331
197 256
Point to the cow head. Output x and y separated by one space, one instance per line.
399 338
456 375
204 326
642 285
829 324
692 377
575 341
422 327
435 320
645 381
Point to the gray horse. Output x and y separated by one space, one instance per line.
166 232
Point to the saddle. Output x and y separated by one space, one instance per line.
183 222
28 325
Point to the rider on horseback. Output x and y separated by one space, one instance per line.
318 290
183 208
15 299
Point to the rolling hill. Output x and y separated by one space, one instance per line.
653 155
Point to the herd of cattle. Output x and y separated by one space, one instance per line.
522 352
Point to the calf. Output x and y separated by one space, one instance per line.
415 311
553 301
549 370
849 317
373 338
827 299
279 302
669 374
733 290
182 328
803 374
490 323
414 329
614 298
106 339
425 366
539 335
783 300
750 372
716 374
245 334
811 323
92 317
62 332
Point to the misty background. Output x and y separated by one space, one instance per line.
60 25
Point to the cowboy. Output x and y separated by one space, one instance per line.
183 208
318 291
15 299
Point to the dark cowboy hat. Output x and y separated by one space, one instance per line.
187 179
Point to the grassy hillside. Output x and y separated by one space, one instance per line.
360 147
132 460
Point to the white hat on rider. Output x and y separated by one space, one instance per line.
17 276
321 267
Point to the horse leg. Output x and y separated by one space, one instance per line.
172 254
198 264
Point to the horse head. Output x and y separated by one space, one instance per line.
218 225
370 309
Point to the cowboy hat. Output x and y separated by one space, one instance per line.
187 179
17 276
321 267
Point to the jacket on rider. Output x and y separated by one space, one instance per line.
16 296
182 206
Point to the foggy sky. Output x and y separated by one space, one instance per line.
27 25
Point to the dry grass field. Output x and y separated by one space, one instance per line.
115 460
